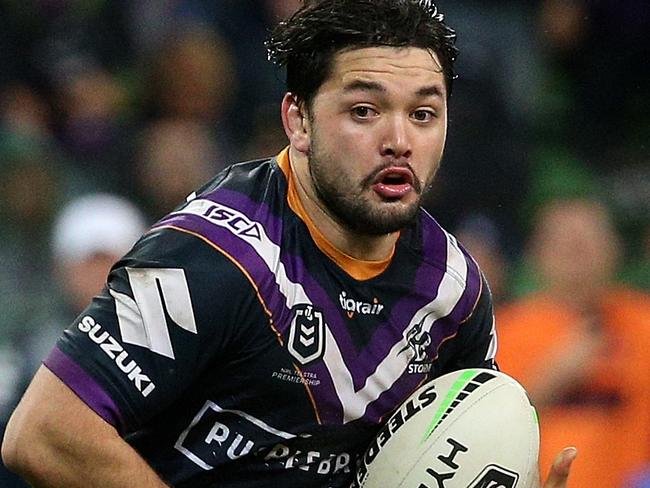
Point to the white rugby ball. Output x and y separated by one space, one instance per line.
473 428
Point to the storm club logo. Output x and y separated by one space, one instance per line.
418 340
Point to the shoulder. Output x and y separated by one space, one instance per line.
453 271
174 247
242 207
248 178
170 307
178 263
440 247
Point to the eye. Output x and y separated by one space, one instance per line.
422 115
363 112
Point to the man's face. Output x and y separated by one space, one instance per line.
377 130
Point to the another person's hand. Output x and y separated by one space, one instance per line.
559 472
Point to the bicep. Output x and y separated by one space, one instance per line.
54 440
475 344
51 425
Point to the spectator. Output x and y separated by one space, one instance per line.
592 51
585 339
193 77
95 126
245 24
88 236
30 190
23 110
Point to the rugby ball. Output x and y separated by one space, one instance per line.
473 428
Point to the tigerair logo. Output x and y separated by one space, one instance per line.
352 306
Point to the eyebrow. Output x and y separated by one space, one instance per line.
365 86
426 91
429 91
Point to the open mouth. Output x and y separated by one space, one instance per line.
394 182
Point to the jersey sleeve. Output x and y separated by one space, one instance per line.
475 344
169 308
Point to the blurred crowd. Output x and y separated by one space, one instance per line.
111 112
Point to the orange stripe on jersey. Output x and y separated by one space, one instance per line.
241 268
259 297
357 268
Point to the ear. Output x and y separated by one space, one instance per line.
296 123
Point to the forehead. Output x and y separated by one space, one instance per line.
402 66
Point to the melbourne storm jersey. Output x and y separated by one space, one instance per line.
235 347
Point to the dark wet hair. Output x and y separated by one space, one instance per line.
307 41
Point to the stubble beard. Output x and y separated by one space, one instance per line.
348 204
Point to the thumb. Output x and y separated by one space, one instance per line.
559 472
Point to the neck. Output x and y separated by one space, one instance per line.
354 244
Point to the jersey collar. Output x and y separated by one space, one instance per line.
357 268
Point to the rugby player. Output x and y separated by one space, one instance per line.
258 335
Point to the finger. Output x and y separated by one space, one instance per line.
559 472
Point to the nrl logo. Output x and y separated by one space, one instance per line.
306 334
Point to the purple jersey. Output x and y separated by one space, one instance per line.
231 348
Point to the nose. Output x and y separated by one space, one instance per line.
396 141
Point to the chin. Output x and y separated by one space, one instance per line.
384 221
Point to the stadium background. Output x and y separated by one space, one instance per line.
146 98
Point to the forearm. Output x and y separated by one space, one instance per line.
113 464
70 451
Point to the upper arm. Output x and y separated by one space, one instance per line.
475 344
168 312
50 417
